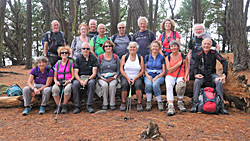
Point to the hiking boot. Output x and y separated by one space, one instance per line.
194 108
148 106
90 109
139 107
76 110
105 107
224 112
171 110
64 109
112 107
160 106
123 107
42 110
58 108
26 111
181 107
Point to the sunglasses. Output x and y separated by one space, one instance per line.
64 53
121 27
85 48
108 46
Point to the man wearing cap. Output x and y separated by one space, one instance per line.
205 73
195 46
177 74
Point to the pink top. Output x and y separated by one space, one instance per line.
60 75
168 39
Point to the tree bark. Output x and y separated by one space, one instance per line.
29 36
46 14
238 40
150 15
2 16
197 11
172 8
155 16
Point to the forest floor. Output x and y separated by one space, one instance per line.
110 125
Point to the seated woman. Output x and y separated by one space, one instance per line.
76 45
132 69
177 72
155 70
38 84
108 71
63 76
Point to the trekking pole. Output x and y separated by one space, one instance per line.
57 111
128 105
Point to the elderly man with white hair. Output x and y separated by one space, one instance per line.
53 40
92 28
121 40
143 37
97 41
195 46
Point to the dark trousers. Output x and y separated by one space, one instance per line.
77 95
53 60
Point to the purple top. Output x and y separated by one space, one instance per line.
41 78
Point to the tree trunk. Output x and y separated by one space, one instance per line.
155 16
150 15
129 20
246 10
46 14
2 16
172 8
29 36
197 11
238 40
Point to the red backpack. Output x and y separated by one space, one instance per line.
209 101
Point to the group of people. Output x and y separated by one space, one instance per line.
94 58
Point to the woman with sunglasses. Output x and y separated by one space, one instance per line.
108 71
76 45
63 76
168 35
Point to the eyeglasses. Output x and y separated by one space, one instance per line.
108 46
121 27
85 48
64 53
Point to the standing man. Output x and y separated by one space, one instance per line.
92 27
53 40
205 73
97 41
195 46
143 37
85 73
121 40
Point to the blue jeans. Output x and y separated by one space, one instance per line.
156 86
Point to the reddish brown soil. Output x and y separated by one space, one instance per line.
110 125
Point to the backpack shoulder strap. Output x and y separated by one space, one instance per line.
126 57
115 56
48 69
129 37
136 35
183 56
169 57
139 57
147 57
95 38
108 38
174 35
149 35
163 37
114 37
70 64
58 65
36 72
101 57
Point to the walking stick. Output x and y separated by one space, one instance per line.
128 105
59 105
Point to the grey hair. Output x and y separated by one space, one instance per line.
101 24
121 23
41 58
54 22
85 43
133 42
199 24
92 20
142 18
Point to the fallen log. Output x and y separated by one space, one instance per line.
12 72
13 101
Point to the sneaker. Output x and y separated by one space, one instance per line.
90 109
76 110
148 106
64 109
194 108
123 107
105 107
112 107
42 110
58 108
26 111
139 107
171 110
181 107
160 106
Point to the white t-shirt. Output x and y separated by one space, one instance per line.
132 68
